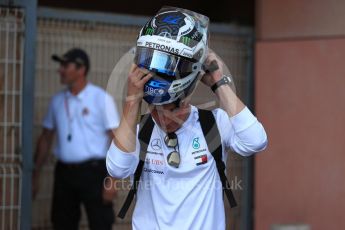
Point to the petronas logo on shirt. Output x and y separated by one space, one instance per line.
196 143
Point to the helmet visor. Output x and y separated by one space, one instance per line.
163 63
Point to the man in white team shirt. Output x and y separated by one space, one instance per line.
179 184
82 116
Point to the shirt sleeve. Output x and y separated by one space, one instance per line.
242 133
111 114
121 164
49 119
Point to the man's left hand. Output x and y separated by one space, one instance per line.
212 77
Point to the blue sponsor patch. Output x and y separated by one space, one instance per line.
157 84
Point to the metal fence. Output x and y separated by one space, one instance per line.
11 75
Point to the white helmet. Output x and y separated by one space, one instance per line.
172 45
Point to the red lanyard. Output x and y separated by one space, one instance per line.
69 135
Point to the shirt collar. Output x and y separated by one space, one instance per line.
189 121
81 95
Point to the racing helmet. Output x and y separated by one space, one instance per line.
173 45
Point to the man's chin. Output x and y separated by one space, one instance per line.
63 82
170 129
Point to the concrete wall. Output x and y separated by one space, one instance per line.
299 18
300 80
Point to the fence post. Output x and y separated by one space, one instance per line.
27 108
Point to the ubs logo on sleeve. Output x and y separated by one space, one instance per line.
153 161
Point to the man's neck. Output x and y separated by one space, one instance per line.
76 88
180 120
185 115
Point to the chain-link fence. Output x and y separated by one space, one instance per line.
11 75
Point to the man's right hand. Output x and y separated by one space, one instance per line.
125 134
42 150
136 80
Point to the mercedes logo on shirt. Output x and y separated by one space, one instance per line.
156 144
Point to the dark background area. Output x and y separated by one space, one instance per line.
232 11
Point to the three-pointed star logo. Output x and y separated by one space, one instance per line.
156 144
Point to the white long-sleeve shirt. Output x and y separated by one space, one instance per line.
190 196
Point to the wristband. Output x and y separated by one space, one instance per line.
225 80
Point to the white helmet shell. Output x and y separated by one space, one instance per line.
173 44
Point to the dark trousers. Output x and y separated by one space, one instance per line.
76 184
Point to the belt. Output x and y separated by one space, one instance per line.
85 164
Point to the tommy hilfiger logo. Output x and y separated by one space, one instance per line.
200 160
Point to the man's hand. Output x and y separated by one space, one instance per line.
43 145
212 77
136 80
227 97
125 134
35 183
109 190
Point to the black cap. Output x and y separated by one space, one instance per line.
75 55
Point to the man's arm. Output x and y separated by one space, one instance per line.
227 98
121 157
125 134
245 134
111 136
109 184
42 149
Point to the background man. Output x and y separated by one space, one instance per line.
78 115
